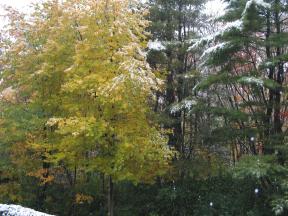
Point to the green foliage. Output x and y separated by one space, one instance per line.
193 197
76 106
258 167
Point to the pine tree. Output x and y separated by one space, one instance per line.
244 65
173 25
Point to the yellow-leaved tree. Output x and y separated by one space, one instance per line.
35 51
106 125
81 80
76 95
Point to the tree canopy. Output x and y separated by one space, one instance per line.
125 107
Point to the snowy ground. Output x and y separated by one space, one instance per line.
16 210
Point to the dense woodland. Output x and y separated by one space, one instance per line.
132 108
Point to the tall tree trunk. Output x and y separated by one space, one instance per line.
179 21
269 110
279 78
110 197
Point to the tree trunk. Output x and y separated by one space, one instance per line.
269 110
43 188
277 119
110 197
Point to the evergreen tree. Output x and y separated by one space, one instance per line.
87 125
173 25
245 63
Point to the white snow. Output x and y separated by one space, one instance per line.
199 42
214 49
215 8
52 121
175 108
238 24
16 210
185 104
156 45
285 67
268 64
189 76
260 3
188 103
252 80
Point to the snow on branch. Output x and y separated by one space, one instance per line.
259 3
238 24
214 49
185 104
251 80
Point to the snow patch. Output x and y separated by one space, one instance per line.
16 210
156 45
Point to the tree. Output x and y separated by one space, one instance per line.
173 25
83 81
247 62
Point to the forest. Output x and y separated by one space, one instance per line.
145 108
